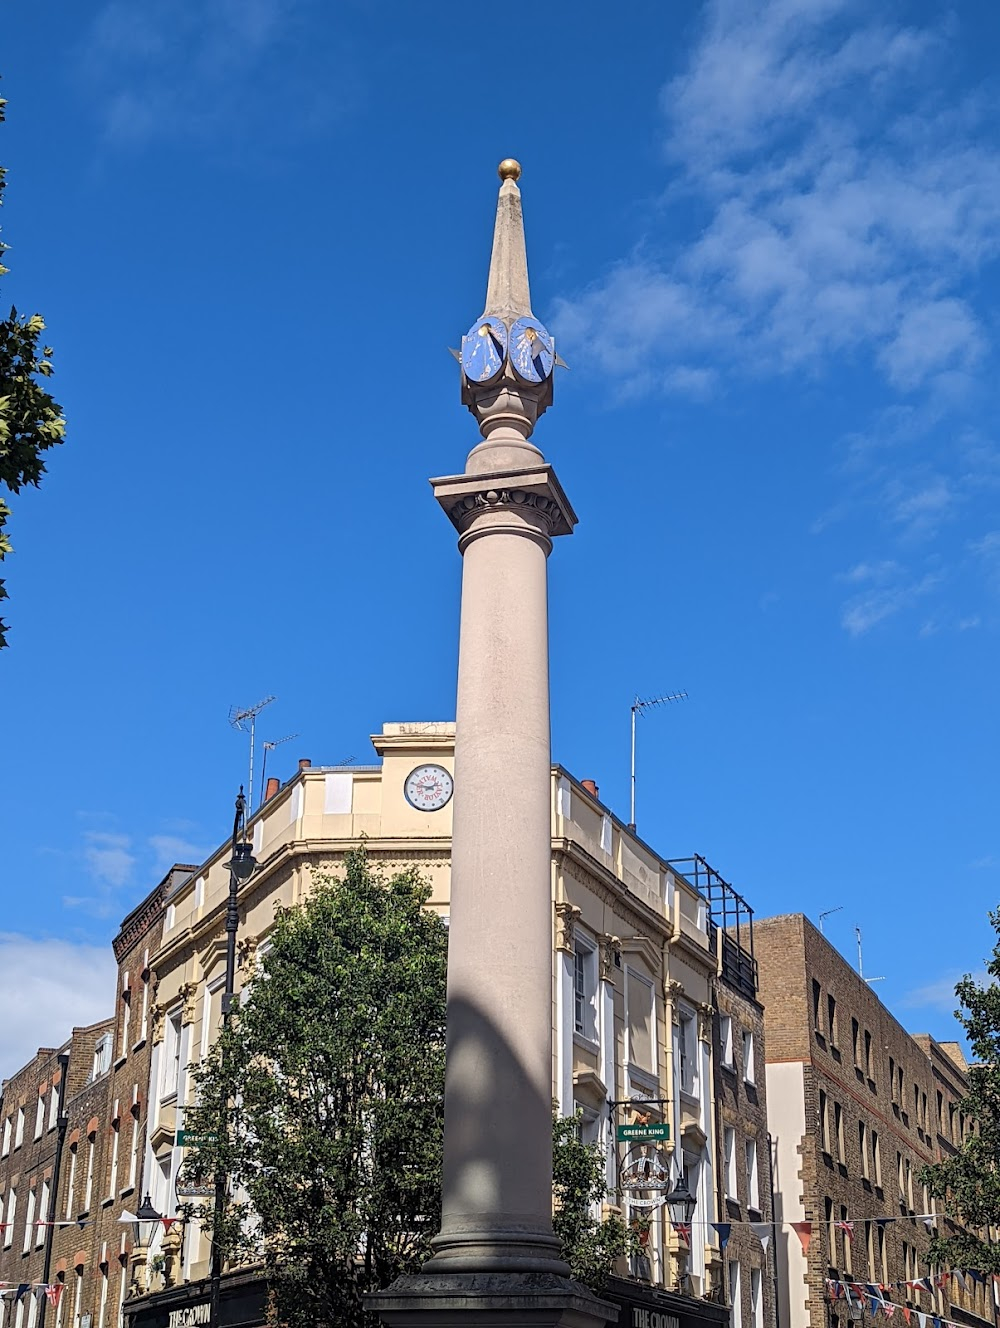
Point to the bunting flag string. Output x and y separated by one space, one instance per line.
804 1232
723 1230
683 1230
874 1293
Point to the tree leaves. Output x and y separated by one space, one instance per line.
968 1182
30 420
331 1076
591 1244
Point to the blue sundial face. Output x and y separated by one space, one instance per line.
531 351
484 349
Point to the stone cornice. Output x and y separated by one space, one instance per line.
533 492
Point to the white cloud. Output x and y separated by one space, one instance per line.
881 601
168 68
108 857
940 995
168 849
47 986
845 209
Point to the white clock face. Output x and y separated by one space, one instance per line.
428 788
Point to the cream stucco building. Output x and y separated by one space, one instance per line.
634 962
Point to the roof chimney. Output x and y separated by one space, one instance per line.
304 764
273 784
592 789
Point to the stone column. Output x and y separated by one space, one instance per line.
497 1199
496 1258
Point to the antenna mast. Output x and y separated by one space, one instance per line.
239 720
822 916
639 706
269 747
861 967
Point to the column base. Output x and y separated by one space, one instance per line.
489 1300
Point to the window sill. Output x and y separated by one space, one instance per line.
750 1083
582 1040
129 1189
729 1067
138 1046
105 1203
170 1099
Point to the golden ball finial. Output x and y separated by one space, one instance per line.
509 169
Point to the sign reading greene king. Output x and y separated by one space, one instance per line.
644 1319
642 1132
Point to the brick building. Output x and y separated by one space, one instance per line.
857 1106
73 1128
106 1126
743 1175
29 1138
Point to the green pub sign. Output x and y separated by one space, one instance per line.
641 1134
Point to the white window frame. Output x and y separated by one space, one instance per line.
7 1130
171 1073
19 1128
144 1024
753 1185
71 1183
729 1157
8 1235
88 1187
735 1294
115 1141
40 1116
29 1220
726 1040
103 1051
43 1211
687 1049
633 974
585 1001
749 1068
756 1298
54 1104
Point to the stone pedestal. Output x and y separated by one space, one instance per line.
490 1300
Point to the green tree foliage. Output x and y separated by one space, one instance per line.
30 421
968 1182
322 1102
591 1245
336 1055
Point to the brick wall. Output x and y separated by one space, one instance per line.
872 1122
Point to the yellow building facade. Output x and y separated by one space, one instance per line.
634 963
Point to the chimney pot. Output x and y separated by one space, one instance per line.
304 764
273 784
592 789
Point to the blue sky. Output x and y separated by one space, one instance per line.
766 236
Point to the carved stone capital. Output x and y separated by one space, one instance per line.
611 956
528 498
246 952
705 1012
188 993
156 1022
566 916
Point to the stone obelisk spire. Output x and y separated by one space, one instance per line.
496 1251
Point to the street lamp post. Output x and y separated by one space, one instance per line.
681 1204
144 1219
242 865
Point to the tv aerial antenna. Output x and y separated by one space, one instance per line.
824 916
269 746
246 722
861 967
639 707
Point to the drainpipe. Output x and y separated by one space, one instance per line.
774 1232
61 1124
